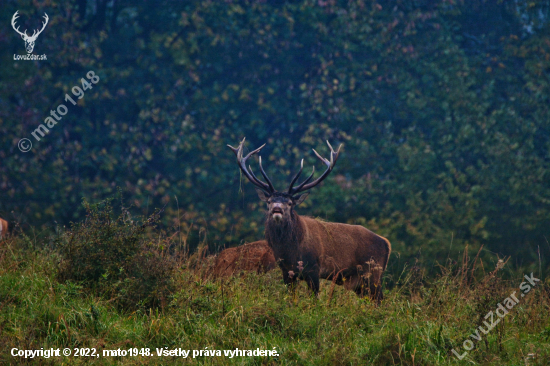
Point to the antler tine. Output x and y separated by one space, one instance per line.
296 177
253 152
46 18
297 189
13 19
265 175
236 150
239 150
256 178
322 159
248 174
330 165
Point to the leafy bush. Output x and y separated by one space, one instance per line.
421 320
113 257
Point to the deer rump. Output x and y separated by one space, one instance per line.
255 256
348 254
3 228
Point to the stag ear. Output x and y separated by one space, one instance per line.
300 198
263 196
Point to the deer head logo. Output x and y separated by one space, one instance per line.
29 40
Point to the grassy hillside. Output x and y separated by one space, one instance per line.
419 322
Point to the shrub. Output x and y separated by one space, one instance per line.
113 257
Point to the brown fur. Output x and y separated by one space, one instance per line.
326 249
3 228
311 249
255 256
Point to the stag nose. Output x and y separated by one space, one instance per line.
277 211
277 207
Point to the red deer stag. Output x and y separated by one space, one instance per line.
256 256
310 249
3 228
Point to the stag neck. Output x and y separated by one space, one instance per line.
285 235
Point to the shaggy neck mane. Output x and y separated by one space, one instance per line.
284 237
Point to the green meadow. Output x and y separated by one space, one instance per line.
168 300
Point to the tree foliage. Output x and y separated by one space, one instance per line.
442 107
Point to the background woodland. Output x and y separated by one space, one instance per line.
442 107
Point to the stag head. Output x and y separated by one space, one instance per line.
29 40
280 204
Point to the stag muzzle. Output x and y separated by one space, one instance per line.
277 212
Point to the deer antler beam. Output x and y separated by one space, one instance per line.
330 165
267 187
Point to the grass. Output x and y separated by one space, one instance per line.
419 323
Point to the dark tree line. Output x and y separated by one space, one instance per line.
442 108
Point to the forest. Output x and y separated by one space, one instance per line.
442 108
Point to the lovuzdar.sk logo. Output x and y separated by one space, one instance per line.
29 40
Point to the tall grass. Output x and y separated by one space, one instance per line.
419 323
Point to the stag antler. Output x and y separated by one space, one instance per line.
267 187
34 34
43 26
304 186
13 19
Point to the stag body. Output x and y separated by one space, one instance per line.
310 249
319 249
256 256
